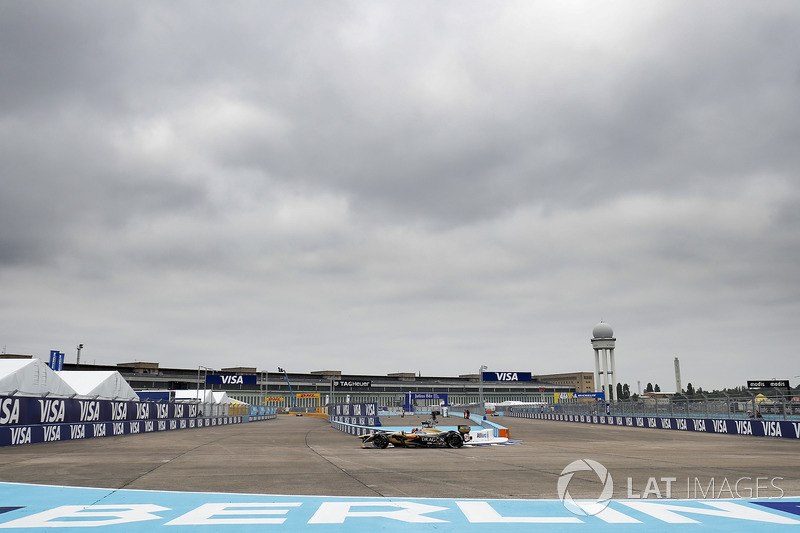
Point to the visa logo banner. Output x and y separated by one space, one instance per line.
247 379
507 376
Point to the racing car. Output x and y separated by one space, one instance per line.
417 438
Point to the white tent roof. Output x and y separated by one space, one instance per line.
193 395
31 377
206 396
103 384
221 397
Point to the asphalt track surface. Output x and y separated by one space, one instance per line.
306 456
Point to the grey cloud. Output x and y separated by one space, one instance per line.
430 183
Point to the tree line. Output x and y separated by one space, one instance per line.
623 391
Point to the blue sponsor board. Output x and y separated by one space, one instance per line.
756 428
27 411
244 379
56 360
35 508
156 396
37 420
262 410
361 414
35 434
598 395
427 397
507 376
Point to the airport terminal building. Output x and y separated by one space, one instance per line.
316 389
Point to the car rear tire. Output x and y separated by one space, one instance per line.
454 440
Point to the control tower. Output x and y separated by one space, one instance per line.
603 342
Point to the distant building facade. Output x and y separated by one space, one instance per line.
332 386
579 381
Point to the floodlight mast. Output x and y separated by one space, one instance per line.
294 401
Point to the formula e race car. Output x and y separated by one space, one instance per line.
417 438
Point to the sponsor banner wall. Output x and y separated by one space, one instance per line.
26 411
263 410
755 428
35 420
362 414
34 434
352 429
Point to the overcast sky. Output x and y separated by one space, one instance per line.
404 186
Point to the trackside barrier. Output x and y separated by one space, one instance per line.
352 429
262 412
27 420
28 411
499 431
754 428
360 414
15 435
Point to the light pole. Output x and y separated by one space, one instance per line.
80 347
480 375
206 369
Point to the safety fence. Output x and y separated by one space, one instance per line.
474 408
755 428
754 406
421 401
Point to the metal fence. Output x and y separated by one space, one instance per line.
768 407
382 399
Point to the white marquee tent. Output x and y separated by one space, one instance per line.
193 395
211 403
31 377
221 397
102 384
